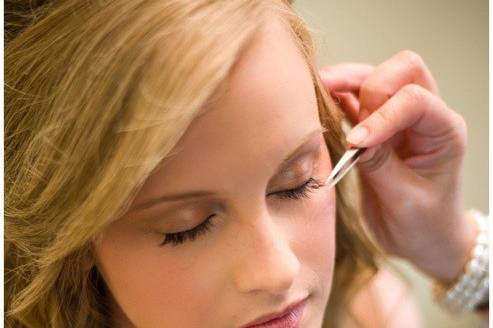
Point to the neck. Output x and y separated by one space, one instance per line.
118 318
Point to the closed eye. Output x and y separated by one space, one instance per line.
297 193
302 191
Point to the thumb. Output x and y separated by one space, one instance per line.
381 168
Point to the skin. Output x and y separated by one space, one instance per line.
412 171
413 139
262 252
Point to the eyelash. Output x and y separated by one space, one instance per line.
297 193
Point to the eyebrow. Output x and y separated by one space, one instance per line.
204 193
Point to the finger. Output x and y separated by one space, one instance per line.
379 166
350 105
367 154
374 157
411 107
405 67
345 77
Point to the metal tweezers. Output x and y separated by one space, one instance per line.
345 164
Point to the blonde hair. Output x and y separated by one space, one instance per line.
87 120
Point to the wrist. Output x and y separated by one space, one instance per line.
453 264
470 289
445 260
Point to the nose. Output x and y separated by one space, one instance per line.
265 260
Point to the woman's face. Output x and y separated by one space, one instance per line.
263 248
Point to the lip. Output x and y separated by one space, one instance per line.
287 318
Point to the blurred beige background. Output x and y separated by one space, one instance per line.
452 38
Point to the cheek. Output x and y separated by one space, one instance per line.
148 289
316 247
317 237
318 232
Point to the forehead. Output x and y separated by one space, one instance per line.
264 108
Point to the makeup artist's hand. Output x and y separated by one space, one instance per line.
412 171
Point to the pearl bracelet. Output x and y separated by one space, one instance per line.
471 289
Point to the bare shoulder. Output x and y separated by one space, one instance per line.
386 301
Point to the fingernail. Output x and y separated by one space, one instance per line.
357 135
